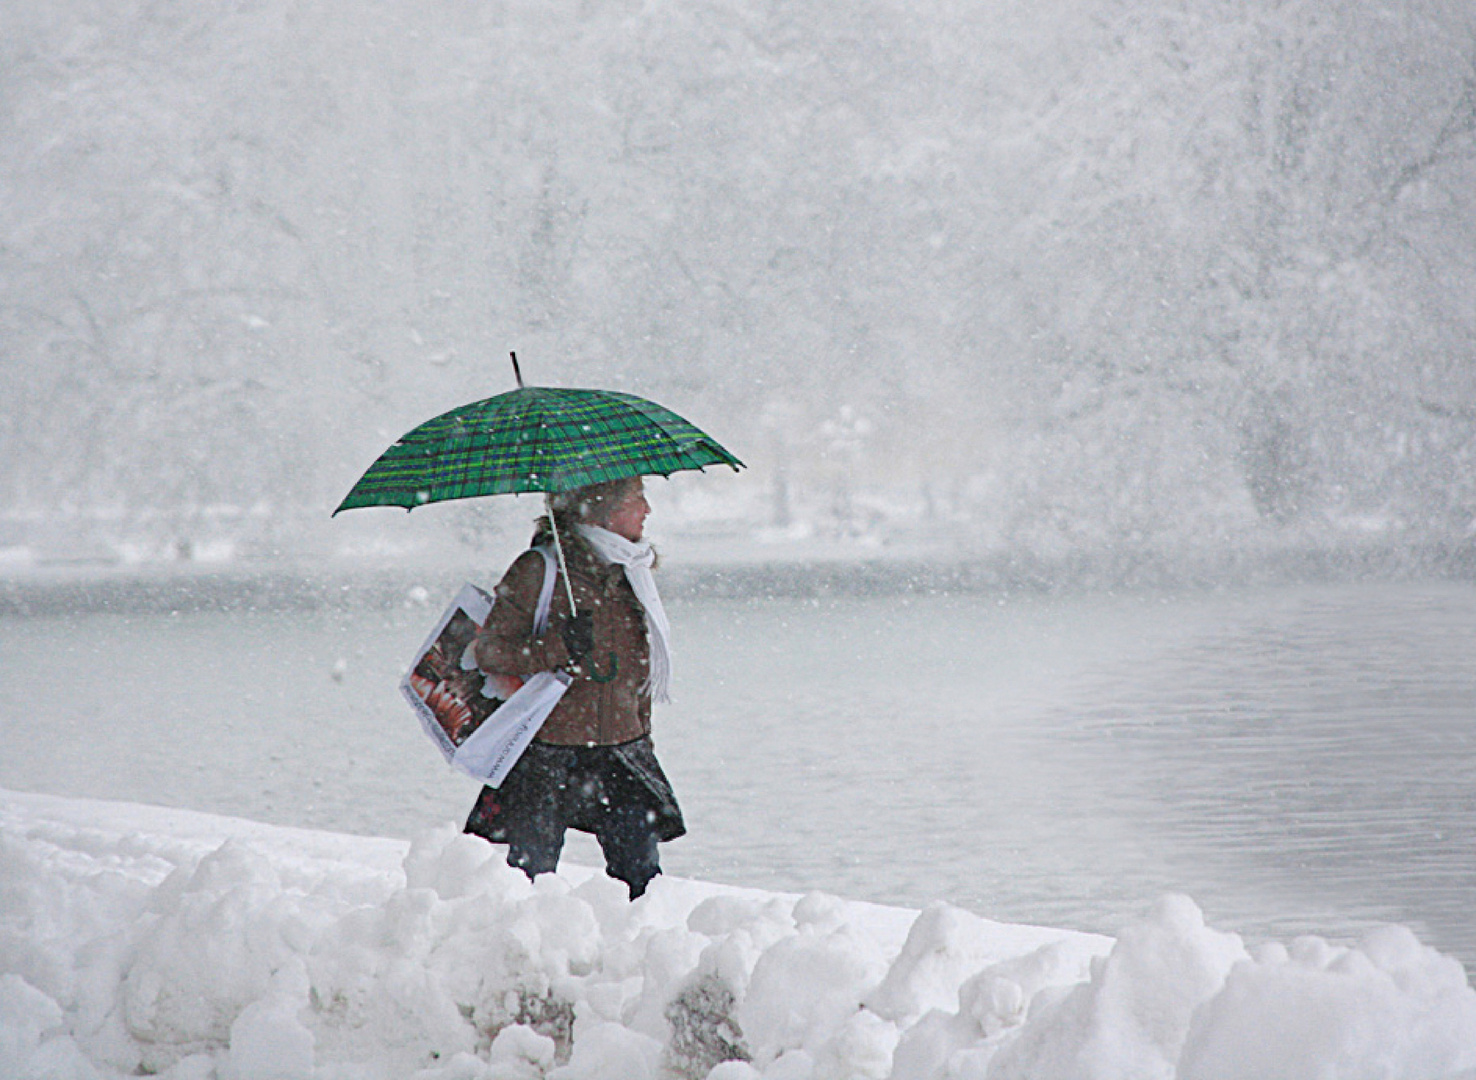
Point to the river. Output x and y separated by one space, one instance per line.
1296 759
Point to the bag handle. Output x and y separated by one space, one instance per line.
545 597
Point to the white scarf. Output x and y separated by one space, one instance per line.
637 559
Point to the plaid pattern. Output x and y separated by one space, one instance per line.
534 439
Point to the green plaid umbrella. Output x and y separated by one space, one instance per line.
534 439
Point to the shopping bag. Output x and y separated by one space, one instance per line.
454 699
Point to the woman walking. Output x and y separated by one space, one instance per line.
592 766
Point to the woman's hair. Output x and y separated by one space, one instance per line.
589 504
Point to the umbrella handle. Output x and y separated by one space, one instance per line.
559 549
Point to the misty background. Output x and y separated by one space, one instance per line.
1047 281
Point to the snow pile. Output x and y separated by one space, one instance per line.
1175 998
137 941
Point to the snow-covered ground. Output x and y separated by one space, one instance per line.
136 940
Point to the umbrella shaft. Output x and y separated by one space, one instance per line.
559 549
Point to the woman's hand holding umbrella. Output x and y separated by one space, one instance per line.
578 635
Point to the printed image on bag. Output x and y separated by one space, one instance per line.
452 696
458 695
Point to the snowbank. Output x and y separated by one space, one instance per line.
137 941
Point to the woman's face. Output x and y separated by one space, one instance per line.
627 516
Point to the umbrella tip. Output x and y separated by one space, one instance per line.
517 371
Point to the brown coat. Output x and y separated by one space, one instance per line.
604 706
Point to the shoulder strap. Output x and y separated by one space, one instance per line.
545 596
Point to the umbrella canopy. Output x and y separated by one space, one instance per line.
535 438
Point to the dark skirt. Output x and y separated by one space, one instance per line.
577 786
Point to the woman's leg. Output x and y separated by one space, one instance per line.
534 821
534 844
627 836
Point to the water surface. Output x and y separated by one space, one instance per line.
1297 760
